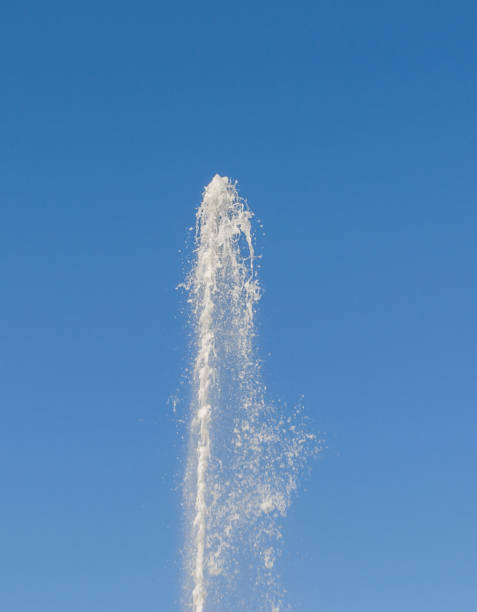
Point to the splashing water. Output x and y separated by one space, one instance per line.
244 456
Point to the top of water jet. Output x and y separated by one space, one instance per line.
218 186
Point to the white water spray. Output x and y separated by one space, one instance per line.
244 457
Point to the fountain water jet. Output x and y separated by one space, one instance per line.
244 456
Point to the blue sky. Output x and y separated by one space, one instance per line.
352 130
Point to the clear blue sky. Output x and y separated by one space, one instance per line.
351 127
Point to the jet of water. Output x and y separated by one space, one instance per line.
244 456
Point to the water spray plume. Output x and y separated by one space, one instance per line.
244 456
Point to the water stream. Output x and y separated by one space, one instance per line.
245 454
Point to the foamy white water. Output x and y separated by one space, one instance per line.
244 456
